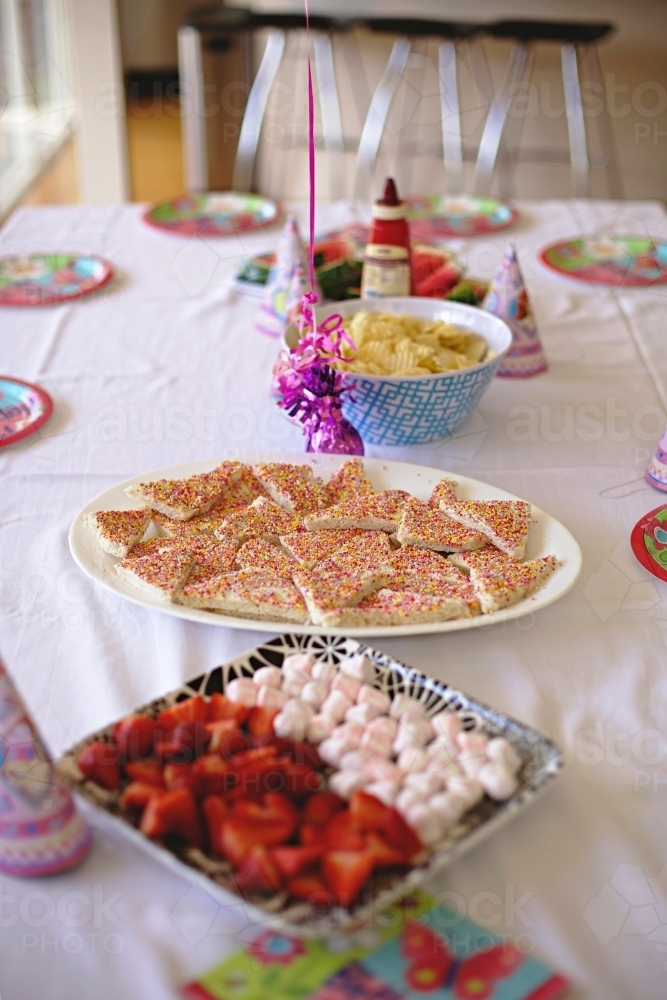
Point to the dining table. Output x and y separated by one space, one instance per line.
163 366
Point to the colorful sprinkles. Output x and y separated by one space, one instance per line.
273 542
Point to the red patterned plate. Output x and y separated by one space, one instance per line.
24 408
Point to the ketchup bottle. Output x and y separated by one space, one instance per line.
386 270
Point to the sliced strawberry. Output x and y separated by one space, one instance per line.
213 775
179 776
260 721
400 835
301 779
172 812
282 806
220 707
346 873
310 835
311 888
368 812
215 812
191 710
321 806
384 855
258 872
291 861
239 834
135 737
233 743
183 743
148 773
215 732
99 763
137 794
341 833
304 753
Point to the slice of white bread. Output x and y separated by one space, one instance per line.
116 531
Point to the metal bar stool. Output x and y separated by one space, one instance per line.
449 36
501 139
230 31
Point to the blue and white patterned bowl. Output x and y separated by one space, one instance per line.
413 409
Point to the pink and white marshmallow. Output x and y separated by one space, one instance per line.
336 705
381 769
242 691
356 760
346 783
294 684
407 798
332 750
385 791
358 666
268 676
348 684
298 663
376 743
412 759
320 727
446 724
314 692
371 696
404 703
501 750
497 781
324 672
271 697
412 732
363 713
449 807
424 783
426 823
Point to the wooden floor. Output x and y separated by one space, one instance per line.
155 155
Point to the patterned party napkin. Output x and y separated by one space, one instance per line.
422 951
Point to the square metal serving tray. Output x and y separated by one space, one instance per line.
541 761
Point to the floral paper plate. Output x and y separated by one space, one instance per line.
610 260
41 279
436 215
649 542
24 408
213 214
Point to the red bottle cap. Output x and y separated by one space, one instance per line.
389 207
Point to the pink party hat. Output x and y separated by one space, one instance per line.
41 831
272 316
656 474
507 298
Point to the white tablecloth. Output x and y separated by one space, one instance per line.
165 366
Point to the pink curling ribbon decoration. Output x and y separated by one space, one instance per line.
311 390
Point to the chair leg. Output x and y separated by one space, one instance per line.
576 125
511 140
376 118
332 126
496 119
255 111
451 117
591 64
193 122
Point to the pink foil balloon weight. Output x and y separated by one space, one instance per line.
507 298
41 831
656 474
